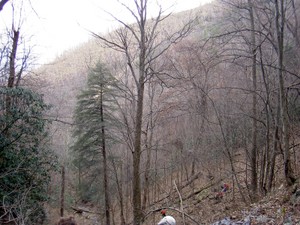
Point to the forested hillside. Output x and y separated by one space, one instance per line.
159 114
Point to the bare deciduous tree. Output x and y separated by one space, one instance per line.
253 46
142 45
2 3
280 18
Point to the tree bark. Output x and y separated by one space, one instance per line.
254 105
137 212
2 3
105 171
280 24
268 154
12 67
148 163
12 59
62 193
273 154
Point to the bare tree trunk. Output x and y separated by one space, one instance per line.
147 168
12 67
254 105
122 214
136 185
62 193
105 172
268 155
273 154
12 59
149 143
119 183
280 23
2 3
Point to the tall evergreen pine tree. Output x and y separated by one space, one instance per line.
94 118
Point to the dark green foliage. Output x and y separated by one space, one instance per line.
25 159
100 92
91 188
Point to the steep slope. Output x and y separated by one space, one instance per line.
66 76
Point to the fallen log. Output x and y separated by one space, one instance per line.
81 210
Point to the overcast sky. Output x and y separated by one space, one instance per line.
58 25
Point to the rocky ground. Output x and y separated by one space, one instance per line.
282 207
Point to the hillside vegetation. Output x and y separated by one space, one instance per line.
204 120
161 113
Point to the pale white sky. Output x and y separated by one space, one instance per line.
57 25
